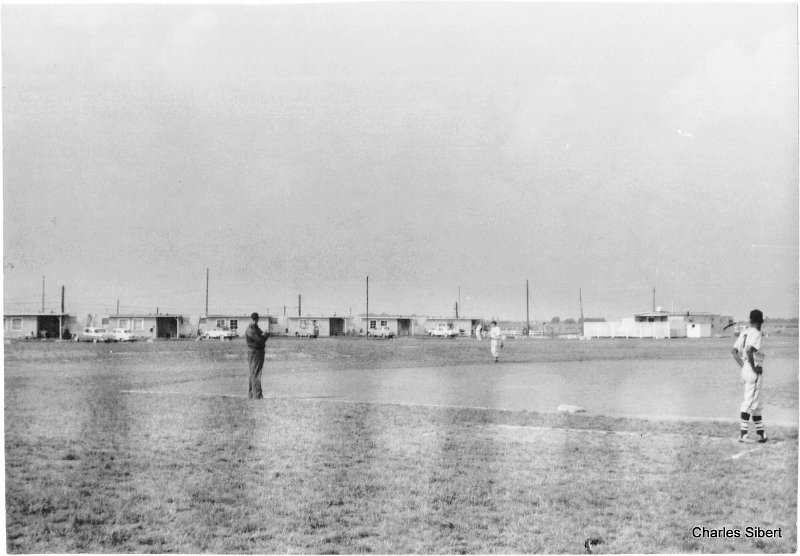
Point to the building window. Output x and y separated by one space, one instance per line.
372 325
122 323
16 324
234 325
138 324
384 322
220 323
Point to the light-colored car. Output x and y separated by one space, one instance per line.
123 335
381 332
307 330
220 333
95 334
443 331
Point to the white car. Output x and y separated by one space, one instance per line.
443 332
381 332
95 334
123 335
220 333
308 330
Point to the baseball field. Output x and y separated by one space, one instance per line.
414 445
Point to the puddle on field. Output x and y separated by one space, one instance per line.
661 389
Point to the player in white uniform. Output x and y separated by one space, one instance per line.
497 340
478 330
749 355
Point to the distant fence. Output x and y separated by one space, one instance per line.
626 329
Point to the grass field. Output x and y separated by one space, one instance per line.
128 448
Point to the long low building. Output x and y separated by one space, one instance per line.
400 325
659 325
150 325
39 325
403 325
317 325
237 323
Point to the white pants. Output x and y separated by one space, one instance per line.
478 334
751 402
495 347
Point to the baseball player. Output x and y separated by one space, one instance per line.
497 340
748 353
256 342
478 329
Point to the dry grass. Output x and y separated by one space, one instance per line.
91 467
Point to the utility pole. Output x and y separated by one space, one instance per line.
654 299
456 309
42 294
299 305
580 301
117 306
206 291
527 308
60 316
367 323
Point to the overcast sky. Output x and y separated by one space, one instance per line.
450 151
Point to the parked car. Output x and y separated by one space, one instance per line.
443 331
123 335
381 332
95 334
307 329
220 333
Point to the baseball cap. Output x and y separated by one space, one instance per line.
254 316
756 316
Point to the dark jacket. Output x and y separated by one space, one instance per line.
256 339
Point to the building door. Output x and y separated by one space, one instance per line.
336 326
47 326
404 327
166 327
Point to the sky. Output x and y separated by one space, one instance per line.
521 160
